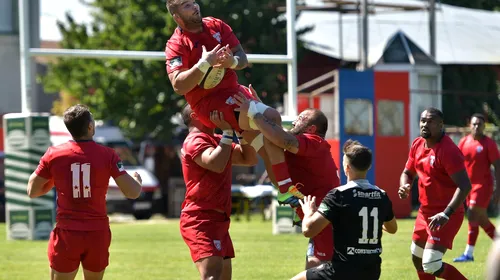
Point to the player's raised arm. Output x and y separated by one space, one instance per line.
244 154
314 221
216 159
269 129
130 186
37 183
37 186
183 79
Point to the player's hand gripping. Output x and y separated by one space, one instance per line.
137 177
309 205
210 56
404 191
225 58
243 103
218 119
438 221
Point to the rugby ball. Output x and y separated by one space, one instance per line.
212 78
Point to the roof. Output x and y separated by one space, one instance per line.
463 36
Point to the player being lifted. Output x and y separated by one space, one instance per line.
80 170
443 185
358 212
206 210
480 152
309 161
202 56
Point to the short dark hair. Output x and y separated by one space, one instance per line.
359 156
479 116
186 114
435 111
318 119
172 6
77 119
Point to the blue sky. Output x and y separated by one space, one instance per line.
52 10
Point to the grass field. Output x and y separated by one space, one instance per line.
155 250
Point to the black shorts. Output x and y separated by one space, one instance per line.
327 271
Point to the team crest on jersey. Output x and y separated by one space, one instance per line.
479 149
217 245
217 37
432 159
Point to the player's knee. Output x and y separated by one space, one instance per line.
432 261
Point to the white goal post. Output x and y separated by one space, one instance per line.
26 54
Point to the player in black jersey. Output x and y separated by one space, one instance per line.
358 212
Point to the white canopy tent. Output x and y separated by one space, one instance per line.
463 36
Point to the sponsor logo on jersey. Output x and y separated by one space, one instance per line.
479 149
175 62
359 251
368 195
432 160
323 208
120 167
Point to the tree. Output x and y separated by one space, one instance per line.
137 95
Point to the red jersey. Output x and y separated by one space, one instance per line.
434 167
80 171
479 156
184 49
313 166
205 189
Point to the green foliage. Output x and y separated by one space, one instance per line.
137 95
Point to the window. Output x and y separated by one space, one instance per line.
8 16
358 117
390 118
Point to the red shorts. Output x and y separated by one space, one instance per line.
206 233
321 246
221 101
480 196
444 236
67 248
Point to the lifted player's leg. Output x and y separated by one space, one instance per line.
256 140
275 154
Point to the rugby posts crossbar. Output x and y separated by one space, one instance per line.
26 54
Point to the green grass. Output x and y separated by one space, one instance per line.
155 250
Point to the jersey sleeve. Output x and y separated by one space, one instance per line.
493 154
117 168
330 205
461 143
227 34
410 163
307 144
43 168
197 145
389 213
451 159
176 55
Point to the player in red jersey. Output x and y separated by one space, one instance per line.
202 56
206 210
443 185
80 170
309 161
480 152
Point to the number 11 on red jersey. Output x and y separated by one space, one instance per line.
76 170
